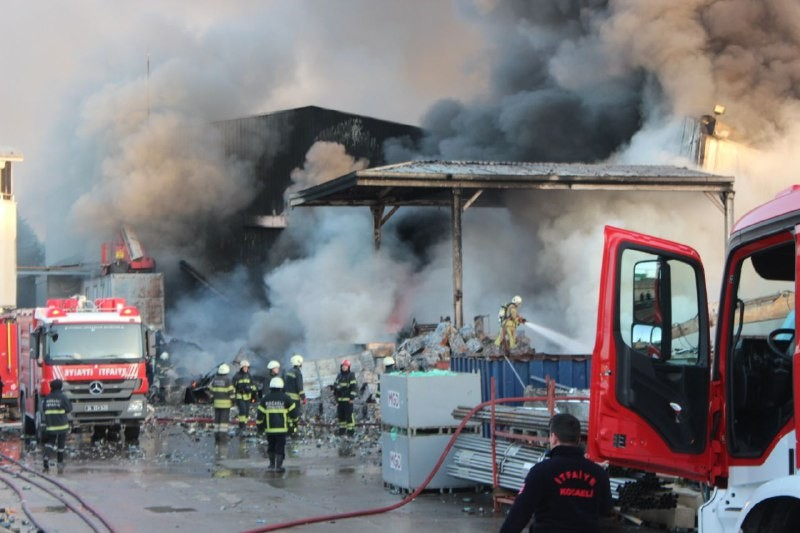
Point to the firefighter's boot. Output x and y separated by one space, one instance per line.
46 466
271 462
279 464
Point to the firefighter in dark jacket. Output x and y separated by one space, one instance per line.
274 368
293 379
222 392
566 492
246 392
275 416
344 391
56 407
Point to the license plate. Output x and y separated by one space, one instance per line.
99 407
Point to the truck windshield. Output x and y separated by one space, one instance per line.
82 342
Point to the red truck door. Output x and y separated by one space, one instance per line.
650 383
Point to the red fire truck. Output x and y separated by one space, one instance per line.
665 398
98 349
9 350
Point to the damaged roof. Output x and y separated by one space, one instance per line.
432 182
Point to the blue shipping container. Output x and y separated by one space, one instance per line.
512 375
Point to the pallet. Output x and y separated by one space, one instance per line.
443 490
502 497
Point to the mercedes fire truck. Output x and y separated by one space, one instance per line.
98 349
665 399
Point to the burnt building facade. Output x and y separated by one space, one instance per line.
277 144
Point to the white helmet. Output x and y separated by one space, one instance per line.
516 300
296 360
389 360
223 369
273 364
276 383
244 363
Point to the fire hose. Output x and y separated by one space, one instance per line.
407 499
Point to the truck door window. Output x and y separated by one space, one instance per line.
663 308
662 350
760 362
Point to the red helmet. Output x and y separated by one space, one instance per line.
346 363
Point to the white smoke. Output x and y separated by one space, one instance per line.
339 292
575 80
594 81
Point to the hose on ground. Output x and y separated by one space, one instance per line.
407 499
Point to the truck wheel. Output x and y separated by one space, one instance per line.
113 434
132 431
778 515
39 426
99 433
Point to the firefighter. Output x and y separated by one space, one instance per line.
293 379
564 492
246 391
274 368
56 406
222 392
509 320
275 416
344 391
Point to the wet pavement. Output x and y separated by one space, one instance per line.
179 479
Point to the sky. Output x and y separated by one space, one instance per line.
111 105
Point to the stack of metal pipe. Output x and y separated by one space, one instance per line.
521 418
472 459
647 492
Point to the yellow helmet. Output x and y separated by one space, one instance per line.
296 360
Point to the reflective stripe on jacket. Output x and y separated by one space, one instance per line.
293 384
276 413
222 391
55 407
244 386
344 388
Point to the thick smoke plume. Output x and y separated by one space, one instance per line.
551 80
593 81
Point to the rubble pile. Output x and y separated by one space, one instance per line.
431 349
435 348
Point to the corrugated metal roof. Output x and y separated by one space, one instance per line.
465 169
431 182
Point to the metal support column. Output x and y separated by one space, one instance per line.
458 274
377 215
728 201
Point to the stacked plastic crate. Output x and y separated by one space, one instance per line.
416 413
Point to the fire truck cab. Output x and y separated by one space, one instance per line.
99 350
664 399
